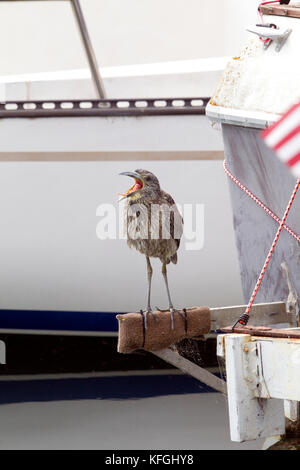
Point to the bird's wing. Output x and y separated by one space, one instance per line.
171 221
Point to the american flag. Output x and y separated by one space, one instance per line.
284 138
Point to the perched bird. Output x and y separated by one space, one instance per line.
154 227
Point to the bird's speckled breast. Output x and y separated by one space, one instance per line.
153 233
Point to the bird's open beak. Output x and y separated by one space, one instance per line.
138 184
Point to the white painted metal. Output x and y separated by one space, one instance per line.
238 117
249 418
221 347
2 352
176 79
263 383
271 313
291 410
280 359
279 35
259 84
117 134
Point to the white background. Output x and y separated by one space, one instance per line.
42 36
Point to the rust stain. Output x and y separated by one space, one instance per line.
264 331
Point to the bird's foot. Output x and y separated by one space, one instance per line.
175 310
145 314
181 313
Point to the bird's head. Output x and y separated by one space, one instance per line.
145 184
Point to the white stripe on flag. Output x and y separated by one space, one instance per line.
284 128
290 148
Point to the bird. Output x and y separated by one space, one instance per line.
154 227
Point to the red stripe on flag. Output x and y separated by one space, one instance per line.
286 138
295 159
267 131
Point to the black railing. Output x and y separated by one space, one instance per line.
114 107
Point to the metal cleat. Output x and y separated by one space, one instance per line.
278 35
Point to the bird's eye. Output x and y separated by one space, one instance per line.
147 178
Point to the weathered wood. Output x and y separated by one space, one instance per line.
264 331
172 357
281 10
249 418
159 333
262 372
199 321
279 374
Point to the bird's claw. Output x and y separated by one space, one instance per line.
175 310
182 314
145 314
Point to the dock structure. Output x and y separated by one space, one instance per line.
262 365
263 382
261 369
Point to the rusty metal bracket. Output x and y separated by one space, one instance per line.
292 11
264 331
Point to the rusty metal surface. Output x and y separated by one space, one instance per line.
114 107
292 10
263 331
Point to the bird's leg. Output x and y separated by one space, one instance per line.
149 272
149 309
171 307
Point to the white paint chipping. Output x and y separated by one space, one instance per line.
262 79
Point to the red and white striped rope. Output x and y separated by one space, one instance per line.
262 273
259 202
244 318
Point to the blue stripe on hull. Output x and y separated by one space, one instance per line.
58 320
101 388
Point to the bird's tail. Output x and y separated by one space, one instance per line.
174 258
